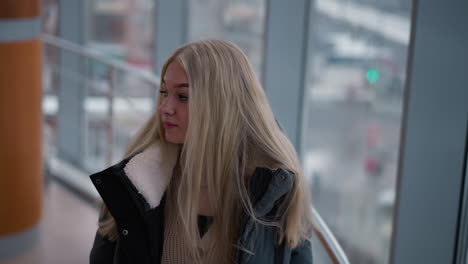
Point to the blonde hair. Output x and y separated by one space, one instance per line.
235 131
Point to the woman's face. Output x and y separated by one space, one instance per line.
174 106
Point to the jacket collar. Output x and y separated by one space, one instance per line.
150 171
150 176
268 186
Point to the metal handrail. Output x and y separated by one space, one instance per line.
328 240
320 228
92 54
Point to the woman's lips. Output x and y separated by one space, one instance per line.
168 125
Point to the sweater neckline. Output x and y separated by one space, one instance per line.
204 224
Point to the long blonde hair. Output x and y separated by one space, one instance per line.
231 130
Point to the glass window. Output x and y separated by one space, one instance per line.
239 21
352 118
49 18
123 29
117 102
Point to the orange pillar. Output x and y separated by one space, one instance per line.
20 120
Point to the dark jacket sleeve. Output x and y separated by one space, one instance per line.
102 251
302 254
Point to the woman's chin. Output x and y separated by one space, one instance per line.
174 139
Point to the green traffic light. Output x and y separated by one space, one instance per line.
372 76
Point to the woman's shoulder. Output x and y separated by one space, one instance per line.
272 176
268 186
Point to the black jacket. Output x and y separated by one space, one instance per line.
141 229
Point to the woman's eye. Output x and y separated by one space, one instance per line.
163 92
183 97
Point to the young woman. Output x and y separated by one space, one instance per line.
210 178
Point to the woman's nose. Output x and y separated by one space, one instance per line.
167 107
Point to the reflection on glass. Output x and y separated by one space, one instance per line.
352 117
239 21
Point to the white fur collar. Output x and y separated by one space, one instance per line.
151 170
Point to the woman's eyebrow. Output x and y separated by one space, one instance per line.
180 85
